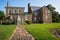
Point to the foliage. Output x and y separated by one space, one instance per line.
28 22
55 14
6 31
2 16
42 31
8 22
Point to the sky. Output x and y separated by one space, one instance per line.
24 3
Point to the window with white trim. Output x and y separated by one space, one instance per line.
19 11
14 11
26 17
46 17
35 14
35 18
49 11
9 11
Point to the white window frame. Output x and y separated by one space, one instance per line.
46 17
26 17
35 14
35 18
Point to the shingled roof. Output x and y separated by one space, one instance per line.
35 8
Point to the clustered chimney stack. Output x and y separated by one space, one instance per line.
8 4
28 4
29 8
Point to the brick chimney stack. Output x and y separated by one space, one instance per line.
7 14
29 8
8 4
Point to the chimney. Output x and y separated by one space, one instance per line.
28 4
8 4
29 8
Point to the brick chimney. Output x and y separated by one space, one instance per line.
7 14
29 8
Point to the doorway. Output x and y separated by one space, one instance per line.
19 20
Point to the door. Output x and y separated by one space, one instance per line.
20 19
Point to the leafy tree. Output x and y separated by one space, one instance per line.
55 14
2 16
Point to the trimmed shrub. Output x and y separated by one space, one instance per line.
28 22
8 22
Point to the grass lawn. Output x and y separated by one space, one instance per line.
6 31
42 31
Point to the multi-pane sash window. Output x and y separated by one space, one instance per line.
19 11
35 18
9 11
26 17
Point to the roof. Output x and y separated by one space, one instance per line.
16 7
35 8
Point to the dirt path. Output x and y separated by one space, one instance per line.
21 34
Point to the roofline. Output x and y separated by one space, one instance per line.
16 7
35 6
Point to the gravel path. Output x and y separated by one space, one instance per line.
21 34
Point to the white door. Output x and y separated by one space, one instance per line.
19 19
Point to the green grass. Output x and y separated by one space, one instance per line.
42 31
6 31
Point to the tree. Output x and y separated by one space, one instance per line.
55 14
2 16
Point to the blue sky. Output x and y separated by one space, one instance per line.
23 3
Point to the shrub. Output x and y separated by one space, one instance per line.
28 22
8 22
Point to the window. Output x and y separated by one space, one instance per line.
49 11
35 18
46 17
35 13
11 16
26 17
9 11
19 11
14 11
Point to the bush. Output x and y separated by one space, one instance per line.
8 22
28 22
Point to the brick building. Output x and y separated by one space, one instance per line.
40 14
34 14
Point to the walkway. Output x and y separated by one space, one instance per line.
21 34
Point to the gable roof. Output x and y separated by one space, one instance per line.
35 8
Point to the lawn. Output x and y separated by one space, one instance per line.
6 31
42 31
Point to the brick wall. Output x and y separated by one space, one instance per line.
47 17
7 14
30 17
